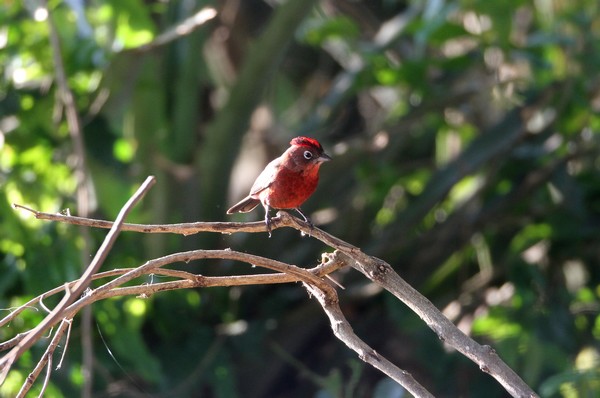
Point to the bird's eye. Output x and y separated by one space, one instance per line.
308 155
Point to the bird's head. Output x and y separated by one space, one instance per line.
306 152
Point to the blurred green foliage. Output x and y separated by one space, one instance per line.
465 138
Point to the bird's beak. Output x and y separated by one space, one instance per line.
324 158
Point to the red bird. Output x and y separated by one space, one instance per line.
287 181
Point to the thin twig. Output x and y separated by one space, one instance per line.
118 271
111 237
181 229
329 264
47 377
8 360
66 345
188 280
46 357
186 257
41 302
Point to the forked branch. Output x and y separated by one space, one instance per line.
373 268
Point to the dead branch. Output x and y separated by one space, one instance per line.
343 331
287 273
181 229
384 275
70 295
46 359
373 268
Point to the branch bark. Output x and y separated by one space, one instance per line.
384 275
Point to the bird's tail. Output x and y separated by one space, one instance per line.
244 206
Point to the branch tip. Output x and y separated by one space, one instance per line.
18 206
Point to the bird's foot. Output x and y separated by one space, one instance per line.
268 224
307 220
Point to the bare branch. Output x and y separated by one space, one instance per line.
181 229
384 275
67 339
311 278
321 270
47 377
8 344
375 269
343 331
329 264
46 359
7 361
118 271
111 237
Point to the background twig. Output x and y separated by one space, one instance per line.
84 192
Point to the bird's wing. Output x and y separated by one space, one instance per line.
266 178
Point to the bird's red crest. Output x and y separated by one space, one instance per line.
307 141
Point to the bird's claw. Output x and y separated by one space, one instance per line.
307 220
268 224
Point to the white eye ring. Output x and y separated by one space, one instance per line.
308 155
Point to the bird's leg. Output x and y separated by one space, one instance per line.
306 219
267 218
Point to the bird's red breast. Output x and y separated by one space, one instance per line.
290 188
